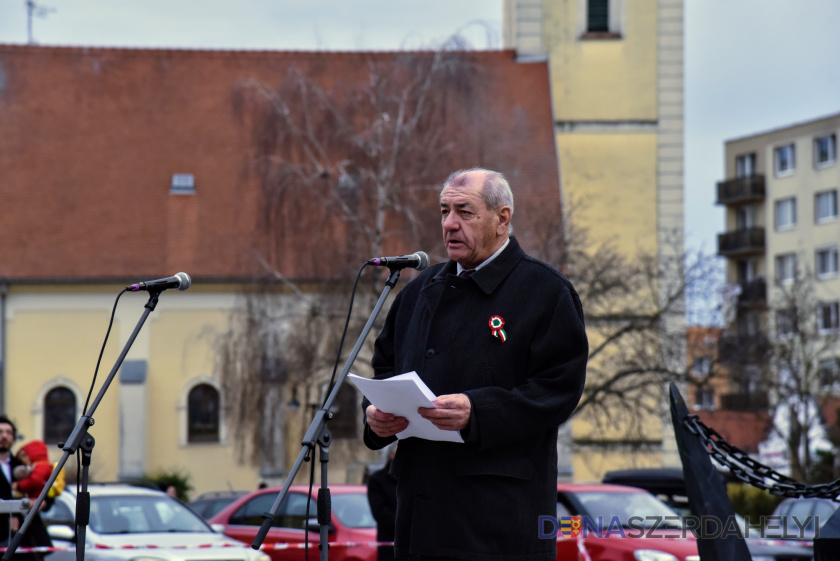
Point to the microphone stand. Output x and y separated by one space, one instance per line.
318 434
80 439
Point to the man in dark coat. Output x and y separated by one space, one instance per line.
382 496
499 337
36 534
8 435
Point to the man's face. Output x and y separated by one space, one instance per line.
471 231
7 437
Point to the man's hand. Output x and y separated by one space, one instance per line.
452 412
384 424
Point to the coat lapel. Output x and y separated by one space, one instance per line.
489 277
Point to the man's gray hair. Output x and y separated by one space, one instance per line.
495 191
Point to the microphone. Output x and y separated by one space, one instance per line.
181 281
418 260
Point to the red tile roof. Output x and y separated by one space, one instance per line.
92 136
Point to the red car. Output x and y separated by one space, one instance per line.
616 523
352 531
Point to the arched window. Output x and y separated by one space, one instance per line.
203 414
59 414
346 413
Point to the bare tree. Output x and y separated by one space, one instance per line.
364 154
276 342
342 168
802 365
627 302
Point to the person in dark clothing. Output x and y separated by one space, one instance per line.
499 337
382 496
36 534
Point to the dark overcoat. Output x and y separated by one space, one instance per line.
36 535
482 499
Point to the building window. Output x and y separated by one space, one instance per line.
825 206
825 150
826 259
786 322
704 399
827 317
745 165
786 267
785 159
702 366
828 371
786 213
203 414
746 271
748 323
182 183
59 414
344 423
598 16
746 217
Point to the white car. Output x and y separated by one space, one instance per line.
138 524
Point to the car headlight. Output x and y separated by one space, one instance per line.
264 557
653 555
763 558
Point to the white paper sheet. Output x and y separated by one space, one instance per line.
402 395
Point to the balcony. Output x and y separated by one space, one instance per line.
739 243
743 350
755 401
740 190
753 294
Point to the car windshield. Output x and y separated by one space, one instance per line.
616 508
353 510
138 514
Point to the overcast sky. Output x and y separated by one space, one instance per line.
750 65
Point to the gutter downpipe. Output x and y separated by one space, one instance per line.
4 290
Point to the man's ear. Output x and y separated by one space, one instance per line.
504 220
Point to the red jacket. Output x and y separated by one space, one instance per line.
42 468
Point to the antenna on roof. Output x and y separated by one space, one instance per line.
33 9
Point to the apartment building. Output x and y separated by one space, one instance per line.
782 235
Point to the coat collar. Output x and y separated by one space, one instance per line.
489 277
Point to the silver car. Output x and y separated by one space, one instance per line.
137 524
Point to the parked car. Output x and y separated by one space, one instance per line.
668 484
207 505
620 538
799 519
125 520
352 531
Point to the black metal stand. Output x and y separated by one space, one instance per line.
706 493
80 439
83 498
827 545
317 434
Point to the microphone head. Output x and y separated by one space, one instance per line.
185 279
424 260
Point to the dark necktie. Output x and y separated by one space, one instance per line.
466 273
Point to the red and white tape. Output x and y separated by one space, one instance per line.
264 547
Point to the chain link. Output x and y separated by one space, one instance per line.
751 471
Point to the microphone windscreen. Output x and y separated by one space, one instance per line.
424 260
185 279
